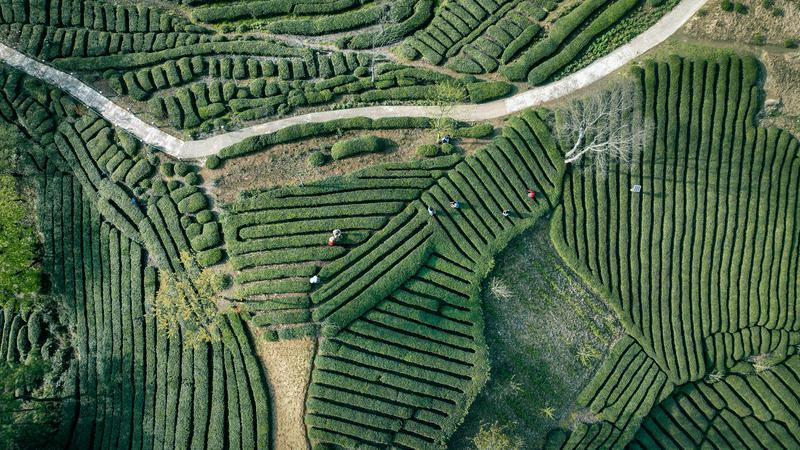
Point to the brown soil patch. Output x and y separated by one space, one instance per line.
288 367
287 164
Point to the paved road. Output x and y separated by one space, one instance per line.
122 118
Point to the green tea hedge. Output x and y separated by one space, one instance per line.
355 146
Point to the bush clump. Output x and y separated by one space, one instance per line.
205 216
213 162
740 8
317 159
210 257
193 179
355 146
159 188
193 203
428 150
726 5
182 169
167 169
478 131
408 53
447 149
485 91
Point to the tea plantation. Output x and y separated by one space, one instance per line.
193 78
699 264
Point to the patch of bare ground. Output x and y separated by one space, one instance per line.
782 86
287 164
288 367
716 24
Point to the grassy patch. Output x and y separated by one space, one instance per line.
546 333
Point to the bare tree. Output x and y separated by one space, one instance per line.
604 128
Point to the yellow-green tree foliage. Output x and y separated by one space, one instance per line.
185 302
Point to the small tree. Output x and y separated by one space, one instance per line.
185 302
603 128
494 437
446 96
19 275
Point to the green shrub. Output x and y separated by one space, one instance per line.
138 172
520 42
317 159
182 169
355 146
210 257
211 110
205 216
726 5
210 237
193 203
428 150
740 8
447 149
790 43
485 91
174 184
193 179
159 188
758 39
213 162
400 93
167 169
392 123
407 52
478 131
192 229
183 192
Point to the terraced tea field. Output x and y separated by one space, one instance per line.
665 316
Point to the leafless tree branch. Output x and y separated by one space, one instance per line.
603 128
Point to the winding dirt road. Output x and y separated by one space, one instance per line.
178 148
